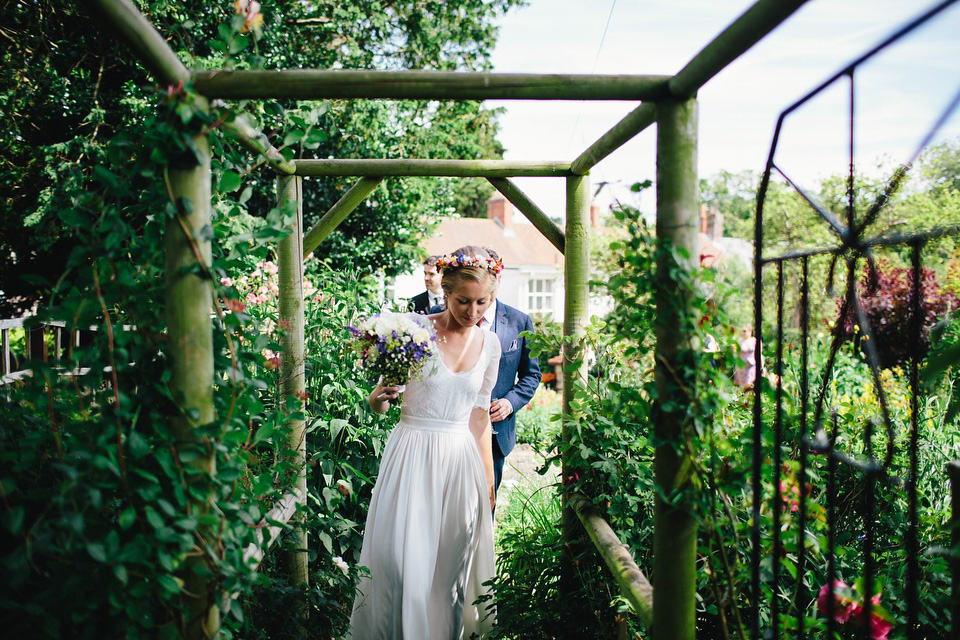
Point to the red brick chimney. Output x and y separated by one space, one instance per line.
500 211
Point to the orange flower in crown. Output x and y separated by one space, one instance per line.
480 262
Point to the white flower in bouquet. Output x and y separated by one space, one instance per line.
393 346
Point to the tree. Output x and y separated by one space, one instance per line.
66 88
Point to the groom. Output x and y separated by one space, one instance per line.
518 378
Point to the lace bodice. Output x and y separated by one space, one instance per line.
444 395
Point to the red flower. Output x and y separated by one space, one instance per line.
235 305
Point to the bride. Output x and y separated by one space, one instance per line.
428 541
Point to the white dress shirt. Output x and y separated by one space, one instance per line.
486 322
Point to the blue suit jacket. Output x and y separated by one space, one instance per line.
519 374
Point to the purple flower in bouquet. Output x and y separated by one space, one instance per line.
393 346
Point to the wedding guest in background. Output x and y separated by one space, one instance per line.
433 296
518 377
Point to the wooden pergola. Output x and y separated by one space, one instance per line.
667 101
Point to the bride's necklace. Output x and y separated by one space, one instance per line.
463 352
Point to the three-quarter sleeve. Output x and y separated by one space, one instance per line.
492 346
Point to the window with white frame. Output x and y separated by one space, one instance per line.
540 295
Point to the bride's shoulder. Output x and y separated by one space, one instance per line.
491 342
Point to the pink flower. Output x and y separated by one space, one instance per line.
843 605
302 395
879 627
847 609
250 10
235 305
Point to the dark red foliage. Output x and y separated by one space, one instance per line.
889 309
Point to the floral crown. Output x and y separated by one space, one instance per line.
480 262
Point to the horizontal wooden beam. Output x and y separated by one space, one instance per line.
313 84
421 167
130 26
633 584
338 212
534 214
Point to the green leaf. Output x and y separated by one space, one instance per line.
126 518
292 137
230 181
326 540
138 445
170 584
97 552
13 519
154 518
105 176
238 43
73 217
263 433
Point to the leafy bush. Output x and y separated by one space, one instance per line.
538 423
530 558
886 296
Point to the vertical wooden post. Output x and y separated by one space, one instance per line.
190 338
576 275
675 529
290 273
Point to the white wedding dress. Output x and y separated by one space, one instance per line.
428 541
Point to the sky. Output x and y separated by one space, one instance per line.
899 94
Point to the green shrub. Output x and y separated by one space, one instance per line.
538 423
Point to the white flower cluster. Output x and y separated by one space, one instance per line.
393 346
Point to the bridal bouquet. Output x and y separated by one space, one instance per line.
392 346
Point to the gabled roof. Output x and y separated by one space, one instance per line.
523 246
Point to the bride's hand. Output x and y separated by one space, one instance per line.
381 396
389 393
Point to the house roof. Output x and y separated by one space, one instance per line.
526 246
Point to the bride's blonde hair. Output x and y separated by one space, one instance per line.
469 264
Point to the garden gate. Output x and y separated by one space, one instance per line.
826 476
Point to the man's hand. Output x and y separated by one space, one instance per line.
500 410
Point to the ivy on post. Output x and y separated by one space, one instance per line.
189 297
292 384
675 527
576 290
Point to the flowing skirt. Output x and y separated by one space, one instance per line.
428 541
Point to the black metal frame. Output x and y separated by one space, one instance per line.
854 249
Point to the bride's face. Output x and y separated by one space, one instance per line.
468 302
